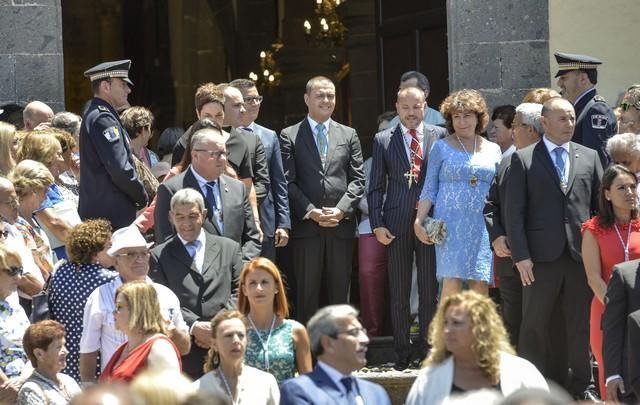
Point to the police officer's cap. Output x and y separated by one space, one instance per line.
118 68
570 61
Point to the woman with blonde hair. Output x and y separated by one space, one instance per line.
226 374
470 351
277 345
31 180
460 171
9 143
56 214
138 316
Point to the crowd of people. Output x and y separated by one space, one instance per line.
163 279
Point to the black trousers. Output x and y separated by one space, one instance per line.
510 297
560 286
322 267
400 255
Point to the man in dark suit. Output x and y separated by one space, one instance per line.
633 325
228 211
111 188
527 130
340 343
553 188
274 209
200 268
595 121
323 165
399 163
621 300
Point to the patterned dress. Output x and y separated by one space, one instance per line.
71 285
13 324
282 350
465 253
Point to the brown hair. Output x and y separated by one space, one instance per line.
540 95
135 118
39 336
41 146
213 358
606 215
465 100
280 304
87 239
208 93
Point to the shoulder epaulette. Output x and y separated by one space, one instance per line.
599 98
105 109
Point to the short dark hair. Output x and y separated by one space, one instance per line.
506 113
243 83
87 239
592 74
95 85
423 81
208 93
315 80
386 116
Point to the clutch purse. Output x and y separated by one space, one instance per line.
436 229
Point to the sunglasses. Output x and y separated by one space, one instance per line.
14 271
627 106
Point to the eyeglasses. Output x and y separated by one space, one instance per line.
252 100
627 106
133 255
212 153
15 271
353 332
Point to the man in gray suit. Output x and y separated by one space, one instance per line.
400 153
323 165
553 188
274 208
228 211
200 268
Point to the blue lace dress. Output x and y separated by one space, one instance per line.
282 351
466 252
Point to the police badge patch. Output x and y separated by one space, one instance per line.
112 134
599 121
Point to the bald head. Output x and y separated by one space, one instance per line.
558 120
35 113
410 106
8 201
555 104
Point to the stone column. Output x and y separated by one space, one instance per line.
31 65
499 47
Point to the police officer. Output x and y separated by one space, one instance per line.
110 187
595 122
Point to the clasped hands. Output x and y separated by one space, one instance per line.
327 217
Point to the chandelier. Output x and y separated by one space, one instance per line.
327 28
269 75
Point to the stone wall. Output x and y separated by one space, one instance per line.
499 47
31 65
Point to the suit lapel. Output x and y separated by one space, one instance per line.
334 136
328 386
224 197
398 145
307 138
211 253
542 155
179 252
572 159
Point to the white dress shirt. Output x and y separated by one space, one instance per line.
565 156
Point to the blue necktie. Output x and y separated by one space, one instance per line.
560 163
192 247
348 385
321 139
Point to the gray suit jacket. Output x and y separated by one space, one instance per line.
541 217
340 184
237 215
201 294
388 166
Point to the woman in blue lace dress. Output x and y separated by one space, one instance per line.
277 345
76 278
460 170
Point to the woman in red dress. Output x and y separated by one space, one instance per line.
138 316
609 238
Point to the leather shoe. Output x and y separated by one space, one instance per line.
402 363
